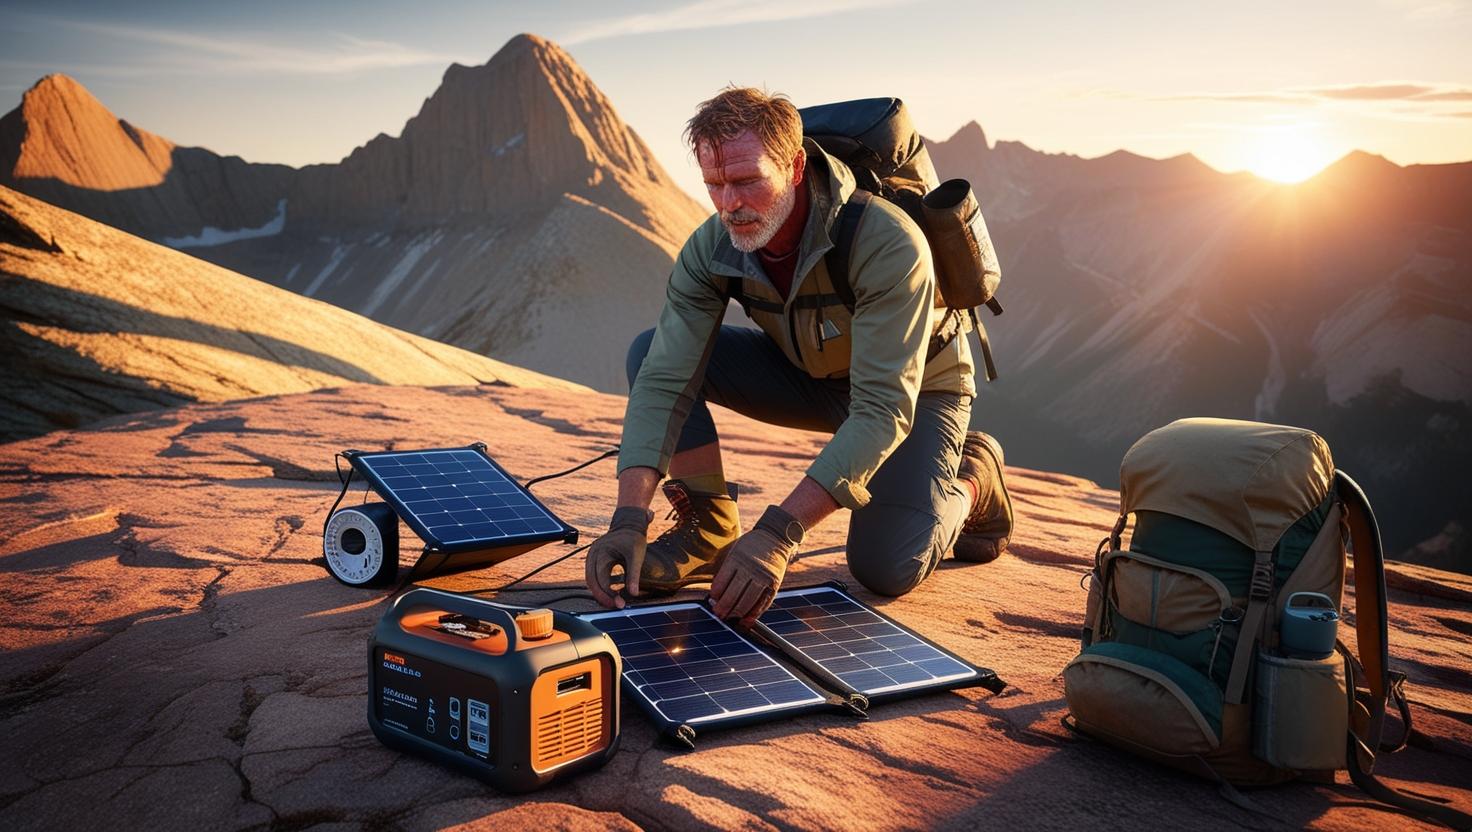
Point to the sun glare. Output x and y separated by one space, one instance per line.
1290 154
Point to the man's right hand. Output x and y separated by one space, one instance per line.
622 544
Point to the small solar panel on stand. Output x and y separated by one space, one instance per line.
468 511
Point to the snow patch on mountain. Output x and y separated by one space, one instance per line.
411 257
212 236
338 253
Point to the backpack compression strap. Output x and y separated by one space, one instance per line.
1372 641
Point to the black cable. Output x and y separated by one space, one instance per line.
553 562
507 587
605 455
337 465
574 596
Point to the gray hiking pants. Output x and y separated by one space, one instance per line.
917 506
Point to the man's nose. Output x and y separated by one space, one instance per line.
726 199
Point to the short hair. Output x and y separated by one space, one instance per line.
734 110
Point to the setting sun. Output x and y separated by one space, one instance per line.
1289 154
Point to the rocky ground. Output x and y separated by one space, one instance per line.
176 657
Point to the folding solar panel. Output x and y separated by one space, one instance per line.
816 647
868 652
464 505
686 667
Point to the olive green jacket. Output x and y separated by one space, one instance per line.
880 348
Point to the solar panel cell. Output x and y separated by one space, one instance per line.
691 668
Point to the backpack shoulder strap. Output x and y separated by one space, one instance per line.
846 229
1372 643
1371 626
734 291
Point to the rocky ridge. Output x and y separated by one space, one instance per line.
62 145
95 322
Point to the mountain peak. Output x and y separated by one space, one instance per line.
58 83
520 47
526 41
1357 166
970 135
518 131
1362 161
62 132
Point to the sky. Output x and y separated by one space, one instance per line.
1280 89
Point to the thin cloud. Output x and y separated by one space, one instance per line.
1371 92
196 52
1428 10
1394 92
1245 97
1381 91
712 14
1450 95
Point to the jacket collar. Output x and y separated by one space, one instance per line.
830 183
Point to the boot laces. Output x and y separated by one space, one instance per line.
681 507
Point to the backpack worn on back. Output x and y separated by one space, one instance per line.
1193 643
876 140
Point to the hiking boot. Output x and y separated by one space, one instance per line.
705 524
985 532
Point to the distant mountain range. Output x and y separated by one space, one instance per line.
1139 291
517 216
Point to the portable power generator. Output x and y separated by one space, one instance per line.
518 698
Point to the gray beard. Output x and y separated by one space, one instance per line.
768 227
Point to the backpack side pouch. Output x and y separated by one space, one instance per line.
1299 719
966 269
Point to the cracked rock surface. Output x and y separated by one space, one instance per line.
175 656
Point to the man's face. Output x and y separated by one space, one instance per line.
753 194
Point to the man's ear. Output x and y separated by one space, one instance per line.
799 163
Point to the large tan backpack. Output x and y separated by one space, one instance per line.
1183 660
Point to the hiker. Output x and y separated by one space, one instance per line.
900 458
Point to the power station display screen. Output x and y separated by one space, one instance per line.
869 652
459 499
691 668
440 704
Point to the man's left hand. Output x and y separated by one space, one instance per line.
751 570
